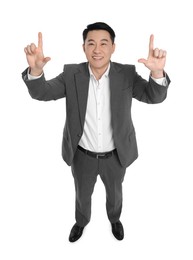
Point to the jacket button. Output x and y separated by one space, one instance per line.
79 135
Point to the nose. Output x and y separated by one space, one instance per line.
97 48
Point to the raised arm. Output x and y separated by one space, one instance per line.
155 61
35 57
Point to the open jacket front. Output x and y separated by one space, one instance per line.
73 83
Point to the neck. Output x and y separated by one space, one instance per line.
98 73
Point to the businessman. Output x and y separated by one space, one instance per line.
99 136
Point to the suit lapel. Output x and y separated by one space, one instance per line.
116 81
82 85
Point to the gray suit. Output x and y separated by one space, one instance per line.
73 83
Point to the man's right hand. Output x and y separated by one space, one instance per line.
35 57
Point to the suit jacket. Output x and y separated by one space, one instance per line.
73 83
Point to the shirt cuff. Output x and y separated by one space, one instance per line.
31 77
161 81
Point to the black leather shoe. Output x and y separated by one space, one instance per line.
117 230
75 233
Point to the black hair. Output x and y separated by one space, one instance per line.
99 26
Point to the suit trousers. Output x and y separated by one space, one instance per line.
85 170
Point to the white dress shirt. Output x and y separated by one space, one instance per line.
98 133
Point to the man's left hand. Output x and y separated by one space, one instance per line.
156 60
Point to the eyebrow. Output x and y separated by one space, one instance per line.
91 40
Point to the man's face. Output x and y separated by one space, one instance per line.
98 48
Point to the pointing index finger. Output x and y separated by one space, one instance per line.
151 44
40 42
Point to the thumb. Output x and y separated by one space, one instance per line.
47 59
144 61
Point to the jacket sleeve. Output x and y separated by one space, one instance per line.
45 90
149 91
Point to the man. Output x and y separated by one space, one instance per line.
99 136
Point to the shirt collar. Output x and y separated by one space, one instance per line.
106 74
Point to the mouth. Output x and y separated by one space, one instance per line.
97 57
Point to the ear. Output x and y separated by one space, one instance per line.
113 48
83 46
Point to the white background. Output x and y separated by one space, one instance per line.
36 186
